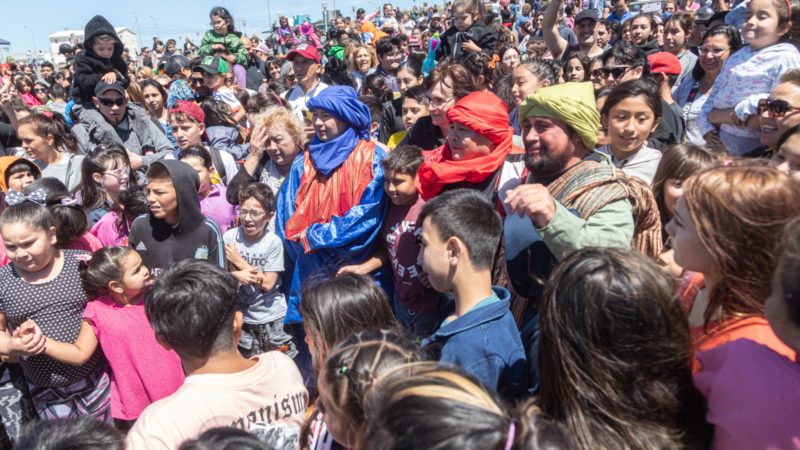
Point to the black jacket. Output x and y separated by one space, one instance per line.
194 236
89 67
452 39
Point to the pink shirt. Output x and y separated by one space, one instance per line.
753 396
110 230
216 207
87 242
143 371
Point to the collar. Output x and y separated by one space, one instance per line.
477 316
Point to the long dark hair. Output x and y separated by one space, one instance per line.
615 354
92 194
44 124
223 14
335 309
104 267
734 42
217 114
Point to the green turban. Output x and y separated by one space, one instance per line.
570 103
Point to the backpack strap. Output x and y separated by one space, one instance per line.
216 158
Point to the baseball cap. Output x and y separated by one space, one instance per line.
587 14
192 110
436 16
212 64
102 87
65 48
175 63
304 50
703 15
664 62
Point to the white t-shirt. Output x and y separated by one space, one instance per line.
268 399
226 95
297 99
257 305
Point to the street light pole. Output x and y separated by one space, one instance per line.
158 33
269 16
33 38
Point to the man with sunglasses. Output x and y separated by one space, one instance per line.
624 61
778 112
123 123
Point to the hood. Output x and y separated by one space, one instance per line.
186 186
96 26
7 161
650 46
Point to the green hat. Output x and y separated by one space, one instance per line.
212 64
570 103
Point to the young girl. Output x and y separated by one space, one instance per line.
286 37
212 193
142 370
42 283
223 40
676 34
726 228
107 172
576 67
48 141
619 306
679 162
222 131
255 258
25 88
730 117
155 102
746 376
467 34
526 79
643 30
113 228
630 114
346 377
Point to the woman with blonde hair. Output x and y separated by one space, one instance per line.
278 137
726 227
360 60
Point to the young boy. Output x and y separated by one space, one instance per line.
460 234
16 173
215 70
175 229
192 311
416 304
101 60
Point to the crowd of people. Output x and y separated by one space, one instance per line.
461 226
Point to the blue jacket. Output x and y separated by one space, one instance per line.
485 342
344 240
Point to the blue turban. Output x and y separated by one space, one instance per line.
342 103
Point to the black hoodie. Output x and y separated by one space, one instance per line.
193 237
89 67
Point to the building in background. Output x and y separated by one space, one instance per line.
126 35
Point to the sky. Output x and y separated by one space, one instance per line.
26 24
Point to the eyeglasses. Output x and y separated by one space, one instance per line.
291 77
616 72
776 108
714 51
111 102
249 212
440 102
40 90
122 172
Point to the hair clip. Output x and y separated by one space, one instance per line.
15 197
68 201
343 370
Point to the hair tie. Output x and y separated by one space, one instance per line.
68 201
14 197
728 162
512 428
343 370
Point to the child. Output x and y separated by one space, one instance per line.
255 257
746 376
175 229
224 41
416 304
17 173
414 106
750 74
142 371
615 354
222 131
726 227
192 311
345 379
468 33
106 171
460 234
100 60
113 228
214 71
211 193
630 114
787 158
42 283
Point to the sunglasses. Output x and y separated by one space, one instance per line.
111 102
776 108
196 81
616 72
39 90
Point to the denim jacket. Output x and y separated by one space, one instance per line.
485 342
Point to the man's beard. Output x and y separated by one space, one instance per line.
548 164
